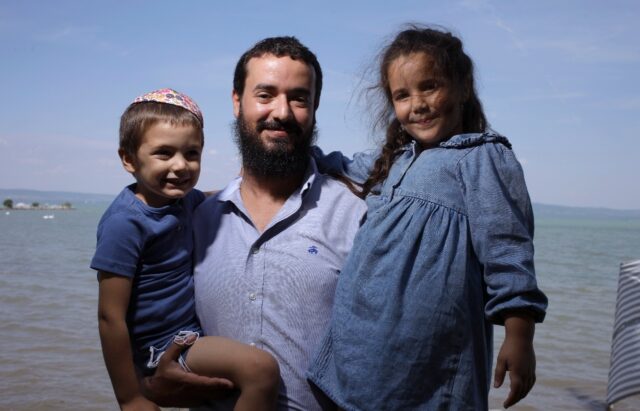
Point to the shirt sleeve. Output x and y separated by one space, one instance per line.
356 169
119 246
501 229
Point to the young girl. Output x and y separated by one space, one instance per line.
143 258
445 252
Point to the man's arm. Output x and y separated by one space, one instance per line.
113 301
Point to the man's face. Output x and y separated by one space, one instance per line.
276 115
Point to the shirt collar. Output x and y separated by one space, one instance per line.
231 192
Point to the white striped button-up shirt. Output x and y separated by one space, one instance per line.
275 289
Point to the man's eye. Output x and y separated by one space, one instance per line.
301 101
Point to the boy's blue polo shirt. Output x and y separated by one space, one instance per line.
154 247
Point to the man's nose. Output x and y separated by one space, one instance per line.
281 109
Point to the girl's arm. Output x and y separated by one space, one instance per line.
356 169
518 357
113 301
501 227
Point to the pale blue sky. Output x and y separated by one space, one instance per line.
559 78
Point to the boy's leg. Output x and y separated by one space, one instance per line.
253 371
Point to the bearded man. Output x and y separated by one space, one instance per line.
270 246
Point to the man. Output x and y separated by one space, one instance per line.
270 246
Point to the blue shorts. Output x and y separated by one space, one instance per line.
148 362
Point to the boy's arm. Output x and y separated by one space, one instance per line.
517 356
113 301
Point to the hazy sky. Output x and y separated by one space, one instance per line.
559 78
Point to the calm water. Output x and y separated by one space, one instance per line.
51 357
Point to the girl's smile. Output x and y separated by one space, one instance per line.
427 106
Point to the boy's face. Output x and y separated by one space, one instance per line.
167 163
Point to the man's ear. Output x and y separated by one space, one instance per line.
235 97
128 161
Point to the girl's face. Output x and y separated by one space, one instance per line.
427 105
167 163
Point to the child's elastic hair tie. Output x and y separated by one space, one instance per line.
170 96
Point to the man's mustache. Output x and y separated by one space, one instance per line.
288 126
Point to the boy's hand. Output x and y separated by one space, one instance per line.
171 386
518 357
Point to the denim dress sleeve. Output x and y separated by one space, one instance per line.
501 228
356 169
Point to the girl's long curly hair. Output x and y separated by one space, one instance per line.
451 60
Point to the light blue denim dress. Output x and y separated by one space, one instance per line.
445 251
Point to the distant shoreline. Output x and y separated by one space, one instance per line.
51 208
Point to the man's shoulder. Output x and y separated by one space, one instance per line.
334 186
337 198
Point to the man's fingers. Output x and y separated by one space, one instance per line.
206 383
172 353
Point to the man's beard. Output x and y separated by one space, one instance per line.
282 160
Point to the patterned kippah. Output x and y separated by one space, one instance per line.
169 96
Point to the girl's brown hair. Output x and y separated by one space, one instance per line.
451 60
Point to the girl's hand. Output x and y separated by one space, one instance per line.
518 357
139 403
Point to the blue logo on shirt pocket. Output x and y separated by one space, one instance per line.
312 250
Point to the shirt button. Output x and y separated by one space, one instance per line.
252 296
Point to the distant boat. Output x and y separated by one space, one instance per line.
7 213
48 216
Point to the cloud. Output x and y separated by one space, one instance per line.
82 36
569 95
489 12
589 51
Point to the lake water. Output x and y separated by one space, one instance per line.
50 351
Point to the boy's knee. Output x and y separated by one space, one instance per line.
265 369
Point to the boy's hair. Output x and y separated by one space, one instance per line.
280 47
139 117
452 62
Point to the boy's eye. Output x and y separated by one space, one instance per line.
162 154
193 154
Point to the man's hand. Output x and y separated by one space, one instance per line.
517 356
171 386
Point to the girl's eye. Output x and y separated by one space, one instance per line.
430 85
400 96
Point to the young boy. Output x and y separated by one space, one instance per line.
143 257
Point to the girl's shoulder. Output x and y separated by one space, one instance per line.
469 140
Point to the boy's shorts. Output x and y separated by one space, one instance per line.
156 352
